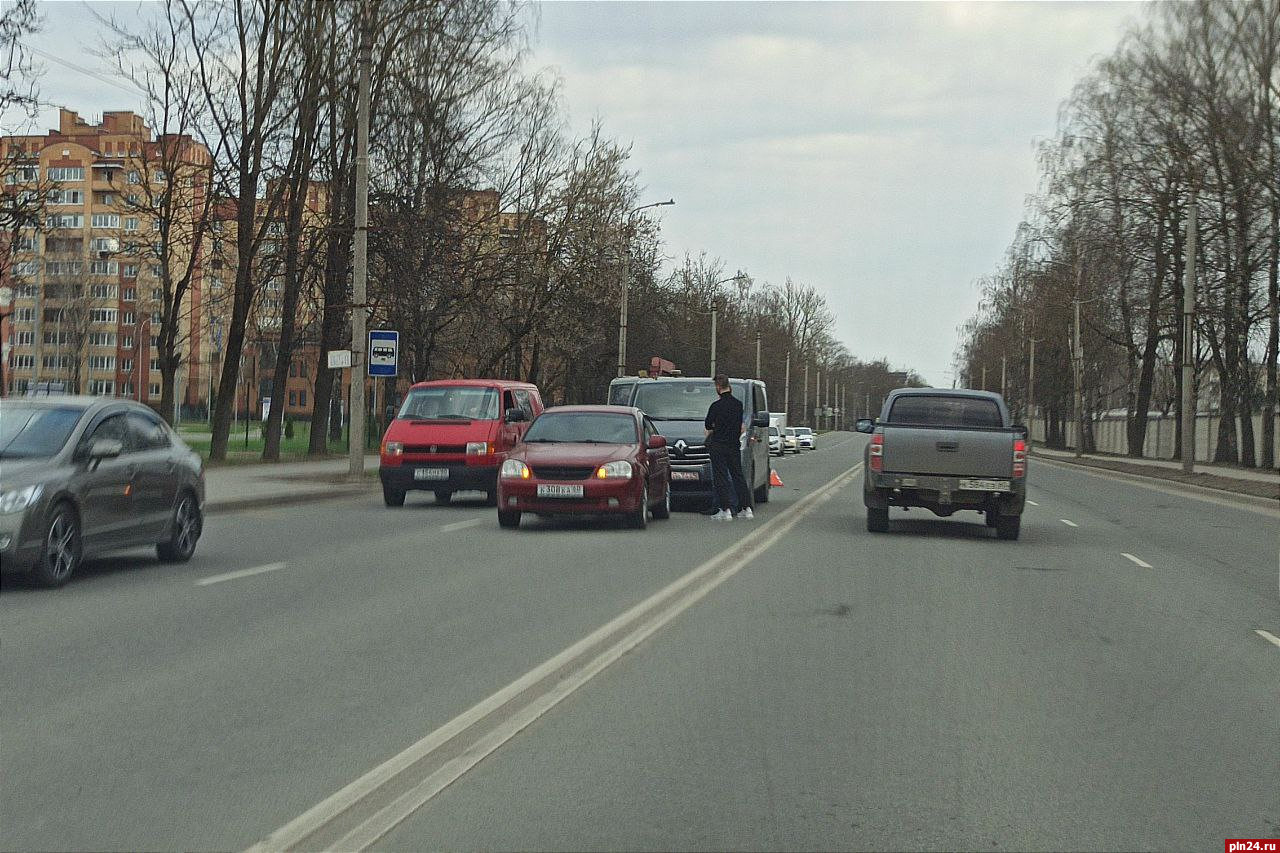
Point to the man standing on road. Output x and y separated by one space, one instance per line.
724 442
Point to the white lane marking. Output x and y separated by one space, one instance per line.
1268 636
460 525
1135 560
1068 522
642 620
241 573
1033 503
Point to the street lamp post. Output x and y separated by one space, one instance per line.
6 299
738 276
757 353
626 282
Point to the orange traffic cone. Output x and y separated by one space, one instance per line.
775 480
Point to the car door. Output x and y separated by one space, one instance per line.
760 449
659 463
156 479
105 487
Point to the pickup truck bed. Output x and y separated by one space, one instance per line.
945 451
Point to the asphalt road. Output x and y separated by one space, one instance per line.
928 688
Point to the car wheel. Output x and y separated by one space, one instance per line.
663 509
444 497
392 497
491 498
509 519
1008 527
185 530
60 555
877 520
762 493
640 518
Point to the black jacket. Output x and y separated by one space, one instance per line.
724 419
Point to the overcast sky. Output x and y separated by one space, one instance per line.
881 152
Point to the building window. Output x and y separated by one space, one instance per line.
102 291
62 268
23 339
104 268
24 362
102 362
22 175
66 197
24 315
102 387
293 369
133 177
130 270
129 294
302 398
154 389
55 339
65 220
102 339
104 244
126 342
126 364
126 389
25 243
293 398
155 364
105 198
106 220
128 318
26 269
131 223
66 173
103 315
56 361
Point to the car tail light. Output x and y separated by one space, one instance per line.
1019 458
876 457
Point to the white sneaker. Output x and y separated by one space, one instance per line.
722 515
747 514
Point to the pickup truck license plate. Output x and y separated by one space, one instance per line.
985 485
431 473
547 490
684 475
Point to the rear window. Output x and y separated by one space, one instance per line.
923 410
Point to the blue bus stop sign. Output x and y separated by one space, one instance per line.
384 352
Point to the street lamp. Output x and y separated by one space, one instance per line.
738 276
626 281
6 299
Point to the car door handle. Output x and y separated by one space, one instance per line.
948 446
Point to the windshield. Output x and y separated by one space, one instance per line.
35 432
803 431
675 401
451 402
582 428
925 410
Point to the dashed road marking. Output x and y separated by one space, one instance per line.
1033 503
1068 522
241 573
1135 560
1268 636
459 525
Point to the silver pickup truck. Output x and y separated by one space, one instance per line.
946 451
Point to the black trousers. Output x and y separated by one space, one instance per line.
731 488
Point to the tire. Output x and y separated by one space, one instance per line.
185 529
62 549
1008 527
491 498
444 498
877 520
392 497
992 516
762 493
639 519
663 510
509 519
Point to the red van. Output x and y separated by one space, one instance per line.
452 434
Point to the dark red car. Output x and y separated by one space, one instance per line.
587 460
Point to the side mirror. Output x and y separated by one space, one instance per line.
105 448
760 420
657 441
515 416
865 425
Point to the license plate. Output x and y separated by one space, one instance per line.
684 475
431 474
985 485
547 490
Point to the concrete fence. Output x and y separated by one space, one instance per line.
1110 436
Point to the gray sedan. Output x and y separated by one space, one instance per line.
80 476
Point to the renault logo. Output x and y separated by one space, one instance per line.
681 447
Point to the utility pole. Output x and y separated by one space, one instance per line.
1188 404
817 400
1003 387
757 353
786 388
713 337
1078 358
360 267
984 377
804 410
1031 395
622 313
867 402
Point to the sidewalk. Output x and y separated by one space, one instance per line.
1257 482
243 486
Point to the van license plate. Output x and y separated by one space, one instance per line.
684 475
546 490
985 485
431 474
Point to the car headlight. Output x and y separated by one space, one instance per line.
614 471
393 448
477 448
16 500
514 469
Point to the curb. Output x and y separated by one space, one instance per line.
1189 489
285 499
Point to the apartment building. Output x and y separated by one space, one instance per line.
110 207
